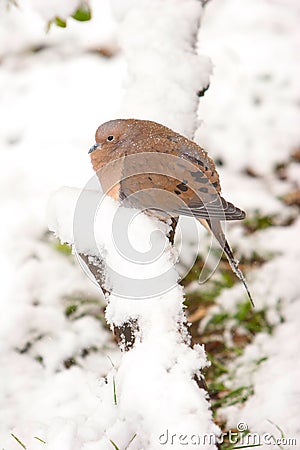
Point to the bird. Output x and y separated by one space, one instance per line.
148 166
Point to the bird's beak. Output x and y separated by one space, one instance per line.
94 147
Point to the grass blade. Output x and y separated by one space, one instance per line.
18 440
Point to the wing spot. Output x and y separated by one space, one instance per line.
205 190
177 192
197 175
192 158
182 186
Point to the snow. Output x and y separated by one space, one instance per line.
252 53
48 11
52 101
157 375
30 19
256 76
277 392
276 387
162 57
42 150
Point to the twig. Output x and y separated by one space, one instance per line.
204 2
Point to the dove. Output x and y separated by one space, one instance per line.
147 166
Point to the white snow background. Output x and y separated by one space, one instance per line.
51 102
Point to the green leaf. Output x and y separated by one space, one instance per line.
63 248
219 365
238 395
83 13
71 309
60 22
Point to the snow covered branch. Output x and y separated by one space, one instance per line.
145 302
125 333
165 73
158 383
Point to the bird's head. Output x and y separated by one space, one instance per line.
109 134
122 137
109 138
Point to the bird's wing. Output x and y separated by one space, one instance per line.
202 179
218 209
177 166
196 155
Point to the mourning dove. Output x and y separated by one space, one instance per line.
150 167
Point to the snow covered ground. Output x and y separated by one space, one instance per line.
251 120
55 90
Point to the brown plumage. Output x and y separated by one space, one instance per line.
150 167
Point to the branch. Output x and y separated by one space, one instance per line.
204 2
125 334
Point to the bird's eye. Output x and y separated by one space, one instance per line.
110 138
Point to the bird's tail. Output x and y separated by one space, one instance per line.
216 229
